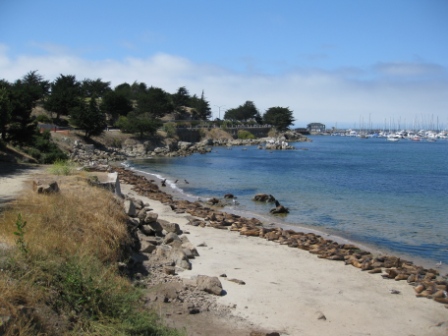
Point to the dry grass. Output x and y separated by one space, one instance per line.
217 134
58 272
78 220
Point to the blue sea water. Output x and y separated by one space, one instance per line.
390 196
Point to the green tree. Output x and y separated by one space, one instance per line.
244 112
140 124
248 110
156 102
201 106
124 89
97 87
279 117
181 98
65 93
89 117
115 104
138 89
231 114
24 94
5 108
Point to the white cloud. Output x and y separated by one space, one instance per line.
406 69
342 96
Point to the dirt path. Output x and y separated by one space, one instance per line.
13 179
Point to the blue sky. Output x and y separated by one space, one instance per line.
338 62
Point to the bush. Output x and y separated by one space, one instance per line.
51 157
43 118
43 149
34 152
170 129
61 167
243 134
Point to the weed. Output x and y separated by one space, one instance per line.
61 167
20 225
170 129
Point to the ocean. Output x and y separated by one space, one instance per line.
390 197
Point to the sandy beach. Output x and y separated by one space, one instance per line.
295 293
289 290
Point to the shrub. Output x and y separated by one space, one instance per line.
61 167
170 129
243 134
43 118
34 152
42 148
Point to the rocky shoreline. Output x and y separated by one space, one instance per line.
215 273
87 154
167 253
427 282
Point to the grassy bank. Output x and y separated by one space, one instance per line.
59 266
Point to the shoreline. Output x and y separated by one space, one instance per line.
288 290
180 195
292 292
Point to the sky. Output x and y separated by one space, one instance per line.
344 63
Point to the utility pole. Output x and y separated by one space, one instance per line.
219 111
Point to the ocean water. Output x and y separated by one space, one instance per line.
392 197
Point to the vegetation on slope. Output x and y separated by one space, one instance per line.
59 273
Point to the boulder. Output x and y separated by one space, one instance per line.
213 201
190 250
134 222
208 284
279 210
183 145
170 238
45 188
147 247
264 198
151 217
166 254
108 181
180 259
129 208
152 228
171 227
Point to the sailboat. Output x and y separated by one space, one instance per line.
393 137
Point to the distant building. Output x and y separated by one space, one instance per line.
315 128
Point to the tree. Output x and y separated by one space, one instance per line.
97 87
5 108
279 117
124 89
89 117
243 112
201 106
232 114
65 93
181 98
137 89
156 102
24 94
115 104
138 124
